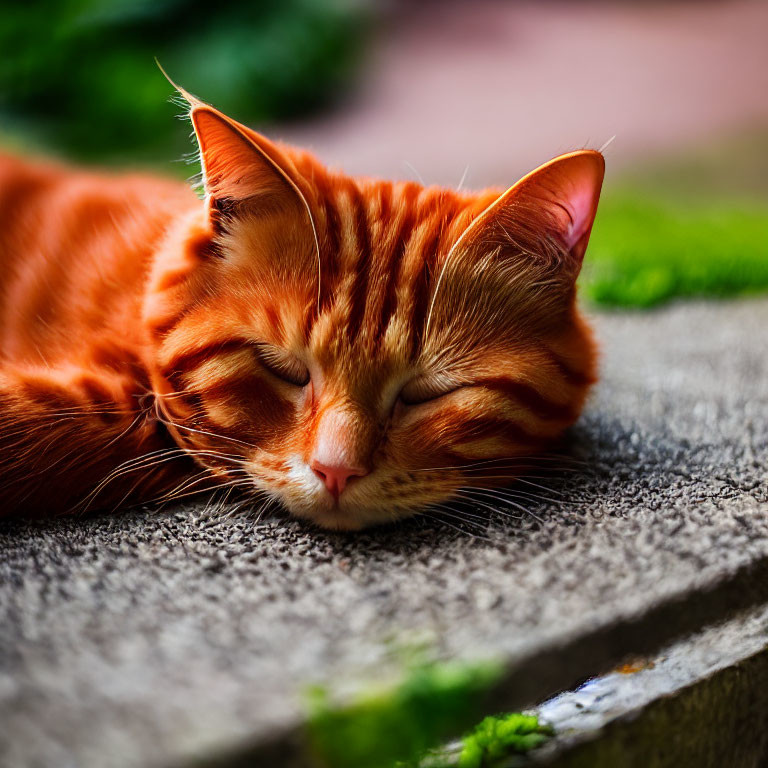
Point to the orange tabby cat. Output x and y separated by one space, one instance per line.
356 349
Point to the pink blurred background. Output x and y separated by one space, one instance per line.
487 90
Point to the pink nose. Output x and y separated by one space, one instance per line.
336 477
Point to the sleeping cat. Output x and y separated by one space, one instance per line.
357 350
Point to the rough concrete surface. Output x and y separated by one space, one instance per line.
152 638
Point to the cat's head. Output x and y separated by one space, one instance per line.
359 349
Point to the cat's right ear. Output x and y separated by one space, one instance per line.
241 167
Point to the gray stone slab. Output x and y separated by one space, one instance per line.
702 701
158 638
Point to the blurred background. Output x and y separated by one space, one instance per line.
453 93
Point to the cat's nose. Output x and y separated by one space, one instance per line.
336 476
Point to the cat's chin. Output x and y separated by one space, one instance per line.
345 518
336 520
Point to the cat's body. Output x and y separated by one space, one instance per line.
356 349
76 249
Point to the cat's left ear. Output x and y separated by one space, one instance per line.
568 190
556 201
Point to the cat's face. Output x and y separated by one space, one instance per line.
360 350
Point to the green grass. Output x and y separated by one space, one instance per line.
647 249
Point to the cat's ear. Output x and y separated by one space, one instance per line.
555 203
239 165
567 191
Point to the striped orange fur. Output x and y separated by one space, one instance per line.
355 349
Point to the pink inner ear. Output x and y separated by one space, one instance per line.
570 187
582 207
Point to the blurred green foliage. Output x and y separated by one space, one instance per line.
646 249
79 76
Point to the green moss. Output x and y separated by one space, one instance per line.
433 702
495 738
646 250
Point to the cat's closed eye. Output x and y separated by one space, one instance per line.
282 364
424 389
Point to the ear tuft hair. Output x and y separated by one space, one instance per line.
184 99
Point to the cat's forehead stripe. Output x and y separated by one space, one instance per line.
397 245
380 245
362 270
381 269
